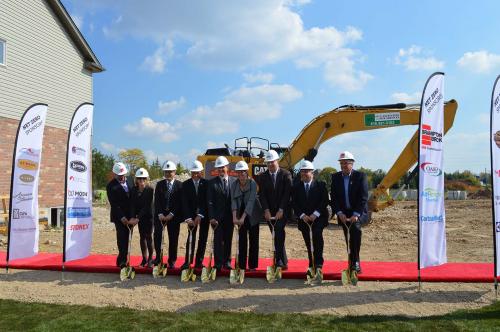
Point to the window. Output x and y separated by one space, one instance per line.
2 52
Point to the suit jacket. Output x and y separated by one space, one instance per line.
316 200
119 201
142 203
358 193
247 198
219 204
174 203
193 203
275 198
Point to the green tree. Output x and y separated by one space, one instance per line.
102 166
155 171
181 169
325 175
134 159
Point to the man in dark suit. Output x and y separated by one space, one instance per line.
349 193
309 202
118 192
275 185
168 210
194 206
220 214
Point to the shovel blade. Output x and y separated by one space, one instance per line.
310 275
213 274
233 278
185 277
270 274
346 277
354 278
131 274
123 273
205 274
159 271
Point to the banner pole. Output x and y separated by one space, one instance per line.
493 182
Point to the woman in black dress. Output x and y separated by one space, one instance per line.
141 200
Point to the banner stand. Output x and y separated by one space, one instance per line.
430 200
83 126
34 125
495 181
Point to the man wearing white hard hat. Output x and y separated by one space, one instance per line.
220 213
194 206
309 202
168 211
141 200
349 197
275 186
118 192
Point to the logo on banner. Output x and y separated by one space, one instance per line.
78 212
26 178
29 151
78 151
431 169
77 166
429 136
77 179
497 104
435 218
79 227
431 195
22 197
433 100
74 194
32 125
27 164
20 214
497 226
81 127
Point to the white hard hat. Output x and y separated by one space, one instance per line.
346 155
221 161
142 173
196 166
241 166
169 166
119 168
306 164
271 155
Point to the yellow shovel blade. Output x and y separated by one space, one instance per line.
213 274
185 277
131 273
123 273
354 277
319 276
346 277
310 275
233 277
205 274
271 274
159 271
241 276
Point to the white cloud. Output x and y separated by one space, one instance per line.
415 58
147 127
407 98
241 35
258 77
480 62
165 107
162 157
156 62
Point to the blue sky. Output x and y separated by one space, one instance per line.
182 76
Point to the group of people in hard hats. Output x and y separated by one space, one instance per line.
236 203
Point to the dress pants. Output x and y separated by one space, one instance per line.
248 240
202 243
317 240
122 233
279 242
354 241
173 228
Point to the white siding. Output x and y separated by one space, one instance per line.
42 65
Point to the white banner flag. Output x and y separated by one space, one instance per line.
78 201
23 212
431 214
495 170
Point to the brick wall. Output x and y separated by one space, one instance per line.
51 188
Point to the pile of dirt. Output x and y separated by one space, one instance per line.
480 194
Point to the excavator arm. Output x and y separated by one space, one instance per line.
351 118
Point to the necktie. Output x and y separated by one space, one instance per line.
196 183
169 192
274 179
225 186
307 189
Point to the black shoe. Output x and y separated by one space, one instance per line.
156 261
282 265
199 266
227 266
185 266
252 269
143 262
357 267
171 265
217 267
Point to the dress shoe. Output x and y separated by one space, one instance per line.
150 263
283 266
199 266
185 266
171 265
143 262
156 261
357 266
227 266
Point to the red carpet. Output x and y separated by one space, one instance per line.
382 271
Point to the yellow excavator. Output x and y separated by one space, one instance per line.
341 120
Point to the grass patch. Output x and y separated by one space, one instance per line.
21 316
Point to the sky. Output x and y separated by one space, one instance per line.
184 76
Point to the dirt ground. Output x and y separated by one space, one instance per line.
391 237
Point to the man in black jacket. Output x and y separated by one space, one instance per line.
194 205
220 214
168 210
349 194
118 192
275 185
309 202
